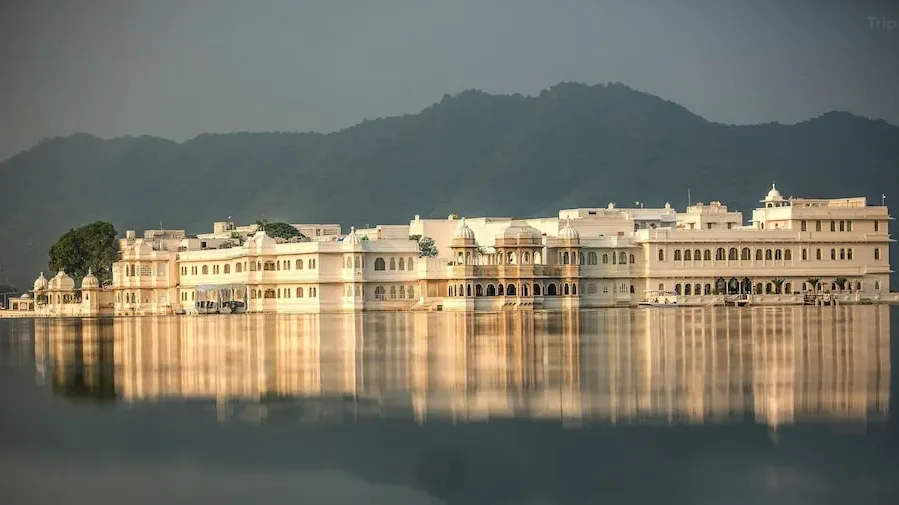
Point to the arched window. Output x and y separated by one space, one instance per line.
767 254
842 225
410 292
591 258
311 263
551 289
677 255
269 266
510 290
380 265
403 263
409 263
732 254
565 258
614 259
632 288
622 257
238 267
707 255
269 293
380 294
524 290
537 258
632 258
788 288
565 289
393 291
526 258
778 254
580 258
227 268
677 289
848 253
833 226
605 259
745 254
688 255
491 290
536 289
393 263
468 290
707 289
205 270
842 254
298 264
574 289
788 254
719 254
499 290
348 262
510 258
661 255
478 290
697 289
687 289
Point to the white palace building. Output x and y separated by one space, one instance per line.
587 257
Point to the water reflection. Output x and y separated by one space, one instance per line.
775 365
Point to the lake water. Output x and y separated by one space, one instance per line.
659 406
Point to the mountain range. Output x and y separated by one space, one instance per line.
472 153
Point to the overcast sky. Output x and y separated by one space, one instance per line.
176 68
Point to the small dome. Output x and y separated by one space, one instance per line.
62 282
774 194
25 296
352 238
463 231
611 205
40 283
90 281
567 232
520 229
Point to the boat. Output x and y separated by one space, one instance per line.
657 298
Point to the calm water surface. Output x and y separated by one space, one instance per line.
693 406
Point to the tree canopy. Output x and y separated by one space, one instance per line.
90 247
427 248
281 230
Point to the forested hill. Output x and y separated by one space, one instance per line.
471 153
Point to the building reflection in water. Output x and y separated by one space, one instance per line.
778 365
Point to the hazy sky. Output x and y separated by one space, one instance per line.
176 68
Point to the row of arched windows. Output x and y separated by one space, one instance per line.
129 297
843 225
250 266
622 288
564 289
381 264
297 292
732 254
395 293
619 258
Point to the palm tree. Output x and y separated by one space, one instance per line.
778 282
813 281
840 282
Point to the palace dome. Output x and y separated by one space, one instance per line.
352 239
520 229
40 283
568 232
774 194
463 231
90 281
62 282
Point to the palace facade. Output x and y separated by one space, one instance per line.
588 257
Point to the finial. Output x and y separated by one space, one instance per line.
352 229
90 271
773 186
463 220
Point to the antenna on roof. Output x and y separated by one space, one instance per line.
689 200
883 199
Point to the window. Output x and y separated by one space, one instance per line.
605 259
622 258
393 292
227 268
410 291
876 253
842 254
876 285
804 254
677 255
380 265
392 266
631 258
380 293
313 292
708 226
876 226
298 264
849 253
707 255
719 254
849 225
409 263
402 263
817 225
238 267
777 254
591 258
768 254
732 253
688 255
311 265
661 255
818 254
804 226
205 270
842 225
299 292
788 254
833 254
745 254
833 226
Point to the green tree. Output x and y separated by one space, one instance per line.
814 283
427 248
281 230
778 282
840 282
90 247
